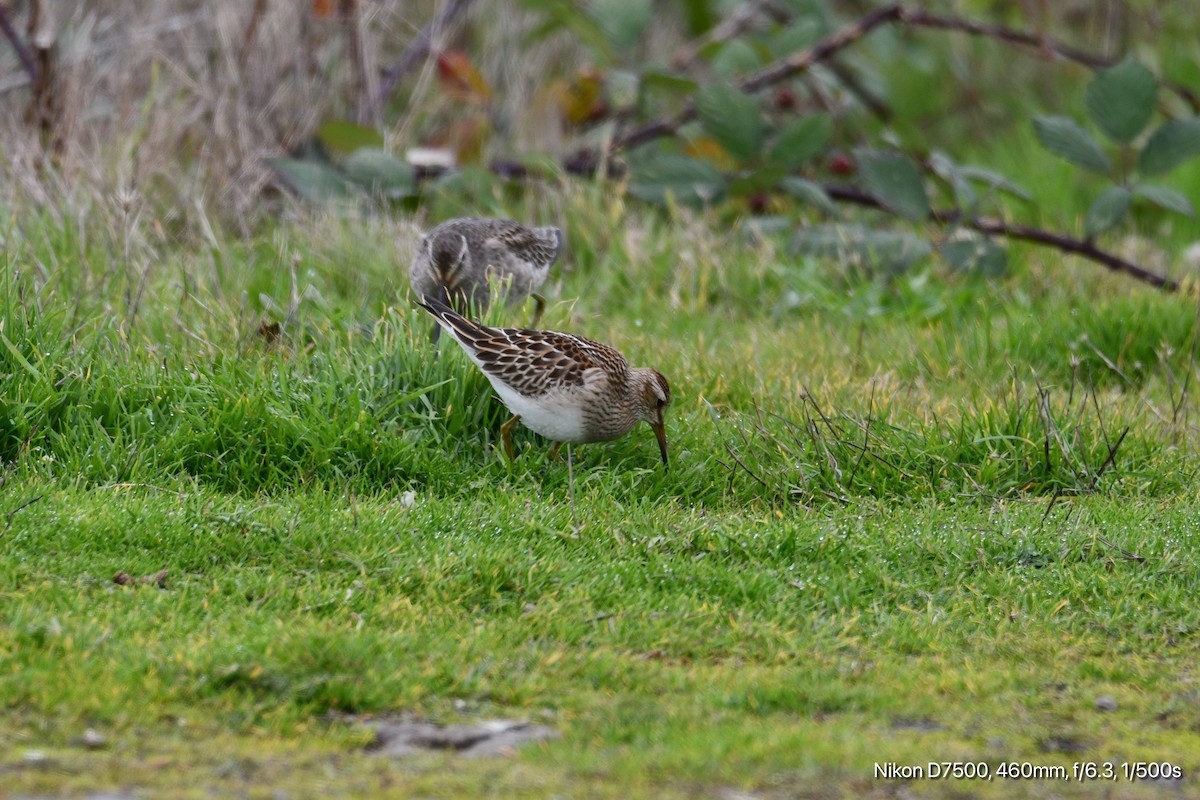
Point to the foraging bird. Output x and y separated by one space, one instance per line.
565 387
457 260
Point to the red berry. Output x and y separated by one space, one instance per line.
841 164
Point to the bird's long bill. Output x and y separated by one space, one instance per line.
660 432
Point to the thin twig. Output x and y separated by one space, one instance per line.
924 19
771 74
866 435
1112 454
1058 492
22 51
825 49
354 54
734 24
865 96
998 227
260 8
1129 555
416 52
21 507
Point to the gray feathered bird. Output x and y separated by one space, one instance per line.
458 261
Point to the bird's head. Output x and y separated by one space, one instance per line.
654 396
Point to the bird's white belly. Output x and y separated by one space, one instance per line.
555 415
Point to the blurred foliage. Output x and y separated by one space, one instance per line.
713 121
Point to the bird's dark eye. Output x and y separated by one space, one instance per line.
661 402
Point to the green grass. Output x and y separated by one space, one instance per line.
908 519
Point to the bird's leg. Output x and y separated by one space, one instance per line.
554 449
539 308
506 437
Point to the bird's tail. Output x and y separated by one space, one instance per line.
451 320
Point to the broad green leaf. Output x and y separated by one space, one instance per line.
622 21
563 14
1064 137
797 36
312 180
800 140
732 118
975 256
669 82
688 180
700 15
1166 198
1120 99
809 192
379 172
896 181
945 168
734 59
340 136
892 251
994 180
1107 210
1172 144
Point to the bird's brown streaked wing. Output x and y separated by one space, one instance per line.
534 362
524 242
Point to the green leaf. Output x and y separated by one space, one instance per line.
896 181
1172 144
734 59
1064 137
341 136
800 140
945 168
1120 99
669 82
761 180
1107 210
622 21
379 172
797 36
700 15
892 251
994 180
312 180
1166 198
809 192
686 179
975 256
562 14
732 118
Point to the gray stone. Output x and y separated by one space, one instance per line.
494 737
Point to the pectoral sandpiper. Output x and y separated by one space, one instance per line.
458 260
565 387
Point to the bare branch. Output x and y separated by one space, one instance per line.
734 24
416 52
825 49
23 53
923 19
998 227
773 73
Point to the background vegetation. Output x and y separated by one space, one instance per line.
926 502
